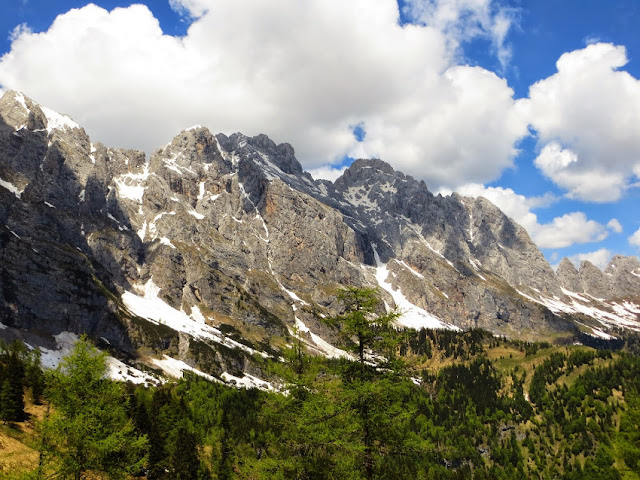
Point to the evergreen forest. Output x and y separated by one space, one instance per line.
429 404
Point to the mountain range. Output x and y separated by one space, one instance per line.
212 254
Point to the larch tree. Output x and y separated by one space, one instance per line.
88 428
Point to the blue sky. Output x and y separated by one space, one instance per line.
465 94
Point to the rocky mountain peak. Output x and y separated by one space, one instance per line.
221 244
624 276
20 112
282 155
367 171
619 280
569 276
594 281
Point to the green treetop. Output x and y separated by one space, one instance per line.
88 428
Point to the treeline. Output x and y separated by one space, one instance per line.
20 368
339 420
574 416
459 345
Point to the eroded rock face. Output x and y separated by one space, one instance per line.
619 280
624 276
569 276
230 232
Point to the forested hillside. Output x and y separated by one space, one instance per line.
449 405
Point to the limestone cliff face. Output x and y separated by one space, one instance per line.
217 247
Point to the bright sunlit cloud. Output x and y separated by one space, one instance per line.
310 78
569 229
635 239
586 117
359 79
600 258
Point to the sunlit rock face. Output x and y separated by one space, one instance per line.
218 249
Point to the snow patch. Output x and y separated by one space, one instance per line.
476 266
131 192
248 381
318 344
152 227
64 341
155 310
143 231
175 368
171 164
56 121
412 316
291 294
11 187
167 242
195 214
440 255
197 316
20 98
623 317
415 272
121 372
130 186
575 295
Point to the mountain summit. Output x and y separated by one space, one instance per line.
218 249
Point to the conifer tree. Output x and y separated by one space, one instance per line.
34 375
88 428
372 384
184 457
12 387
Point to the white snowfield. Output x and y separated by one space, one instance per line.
317 343
412 315
624 315
55 120
121 372
176 368
155 310
11 187
116 370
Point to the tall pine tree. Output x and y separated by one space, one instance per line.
12 387
88 429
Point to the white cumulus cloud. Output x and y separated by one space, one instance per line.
306 73
19 30
614 225
562 231
190 8
464 20
567 230
635 238
600 258
586 117
327 172
303 73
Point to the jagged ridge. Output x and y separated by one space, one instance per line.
214 249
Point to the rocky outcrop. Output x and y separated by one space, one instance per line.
569 276
624 276
619 279
218 247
